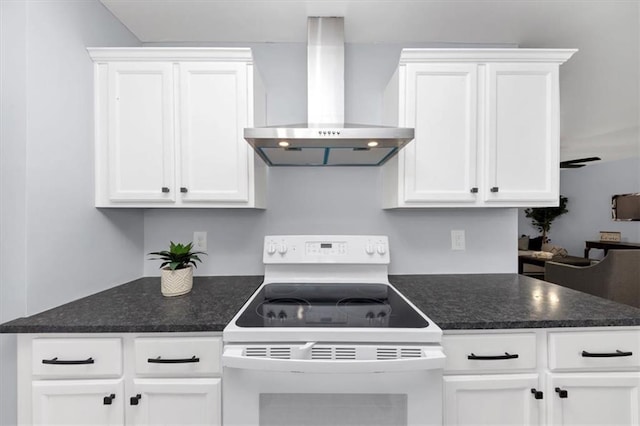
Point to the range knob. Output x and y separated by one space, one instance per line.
369 249
381 249
282 248
271 315
370 315
271 248
282 315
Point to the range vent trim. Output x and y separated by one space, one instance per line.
335 352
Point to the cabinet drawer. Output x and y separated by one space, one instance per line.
490 352
76 357
594 350
178 356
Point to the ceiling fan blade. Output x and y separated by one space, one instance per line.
581 160
571 166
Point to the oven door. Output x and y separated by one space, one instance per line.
330 390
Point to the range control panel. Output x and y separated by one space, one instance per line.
348 249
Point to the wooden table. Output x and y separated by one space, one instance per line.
608 245
569 260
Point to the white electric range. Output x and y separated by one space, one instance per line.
326 340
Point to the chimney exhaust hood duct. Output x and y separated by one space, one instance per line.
326 140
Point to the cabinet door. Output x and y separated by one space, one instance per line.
213 114
441 104
77 402
175 402
611 399
492 400
140 132
523 134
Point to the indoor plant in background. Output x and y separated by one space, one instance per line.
542 217
177 268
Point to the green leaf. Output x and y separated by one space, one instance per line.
179 256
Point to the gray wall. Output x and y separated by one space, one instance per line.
589 190
13 153
54 245
336 200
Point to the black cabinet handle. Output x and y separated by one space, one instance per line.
562 393
165 189
159 360
107 400
606 354
537 394
474 190
135 399
506 355
57 361
495 189
183 189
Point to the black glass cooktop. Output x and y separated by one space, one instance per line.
330 305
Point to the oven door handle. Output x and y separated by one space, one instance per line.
233 358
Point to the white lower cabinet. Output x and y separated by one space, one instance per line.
611 399
126 379
78 402
555 377
572 377
504 399
175 402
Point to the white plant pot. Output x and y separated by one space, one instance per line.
175 283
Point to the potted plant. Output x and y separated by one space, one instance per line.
177 268
542 217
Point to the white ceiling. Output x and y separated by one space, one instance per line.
600 84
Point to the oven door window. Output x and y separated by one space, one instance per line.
320 409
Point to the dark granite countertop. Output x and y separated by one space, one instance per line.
492 301
454 302
138 306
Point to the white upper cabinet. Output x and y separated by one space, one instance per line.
522 133
440 165
140 126
169 128
486 124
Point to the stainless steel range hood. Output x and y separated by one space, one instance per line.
326 140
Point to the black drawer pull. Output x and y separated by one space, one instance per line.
57 361
606 354
495 189
135 399
107 400
506 355
562 393
159 360
474 190
183 189
537 394
165 189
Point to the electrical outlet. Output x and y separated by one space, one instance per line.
457 239
200 241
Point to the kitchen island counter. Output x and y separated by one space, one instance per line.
454 302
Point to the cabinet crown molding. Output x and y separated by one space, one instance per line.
486 55
229 54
